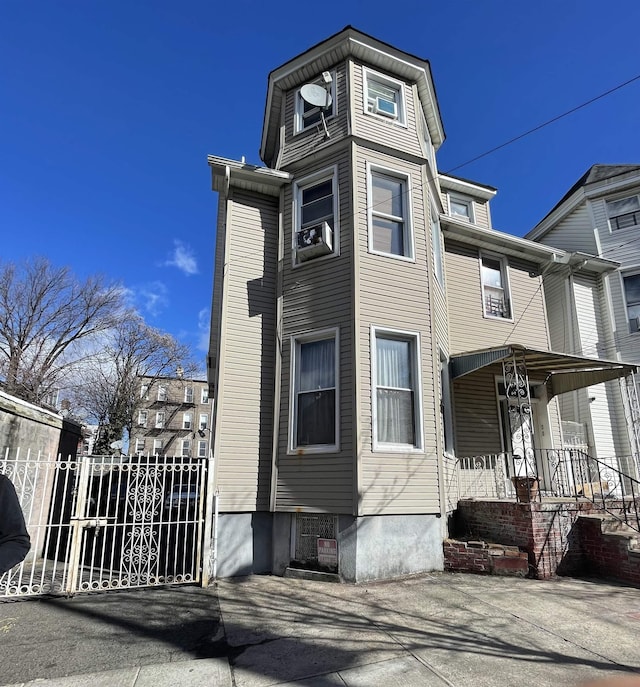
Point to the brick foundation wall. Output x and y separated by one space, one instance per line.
545 530
608 554
480 557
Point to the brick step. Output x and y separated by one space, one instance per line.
476 556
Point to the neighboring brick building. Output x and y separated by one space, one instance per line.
173 419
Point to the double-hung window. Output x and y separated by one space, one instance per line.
396 383
389 217
157 446
307 114
495 287
314 403
461 208
632 299
142 418
624 213
186 448
144 392
162 393
204 395
384 96
187 420
160 419
202 424
188 394
316 216
139 446
202 449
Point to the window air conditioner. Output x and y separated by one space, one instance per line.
385 107
315 240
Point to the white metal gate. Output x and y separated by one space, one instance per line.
101 523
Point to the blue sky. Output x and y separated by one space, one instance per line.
109 108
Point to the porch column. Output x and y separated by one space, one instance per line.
516 382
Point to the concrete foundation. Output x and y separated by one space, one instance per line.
244 544
379 547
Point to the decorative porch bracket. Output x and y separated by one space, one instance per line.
516 382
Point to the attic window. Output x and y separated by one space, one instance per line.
461 208
624 213
384 97
308 115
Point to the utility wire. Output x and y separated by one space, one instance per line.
544 124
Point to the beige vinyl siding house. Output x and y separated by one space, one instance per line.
358 350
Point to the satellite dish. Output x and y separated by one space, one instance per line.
315 94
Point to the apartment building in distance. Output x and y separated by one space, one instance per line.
173 418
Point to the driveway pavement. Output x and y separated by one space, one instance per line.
438 629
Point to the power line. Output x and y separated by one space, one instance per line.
544 124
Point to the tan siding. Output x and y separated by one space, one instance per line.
245 419
313 139
556 302
318 295
468 328
402 138
395 294
481 213
476 419
574 233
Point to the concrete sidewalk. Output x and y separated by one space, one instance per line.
439 629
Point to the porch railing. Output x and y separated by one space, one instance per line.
561 473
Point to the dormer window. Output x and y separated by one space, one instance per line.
624 213
307 114
384 96
461 208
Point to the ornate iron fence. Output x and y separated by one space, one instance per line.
106 522
560 473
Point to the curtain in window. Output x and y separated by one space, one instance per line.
316 420
395 402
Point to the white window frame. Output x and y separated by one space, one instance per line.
437 247
162 393
187 420
298 187
414 337
462 200
160 419
202 449
144 392
427 144
369 75
409 240
617 200
157 446
185 445
203 421
204 395
296 339
188 394
143 417
298 121
139 445
632 272
506 287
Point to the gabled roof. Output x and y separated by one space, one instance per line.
335 49
596 174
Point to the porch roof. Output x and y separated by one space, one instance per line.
563 372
